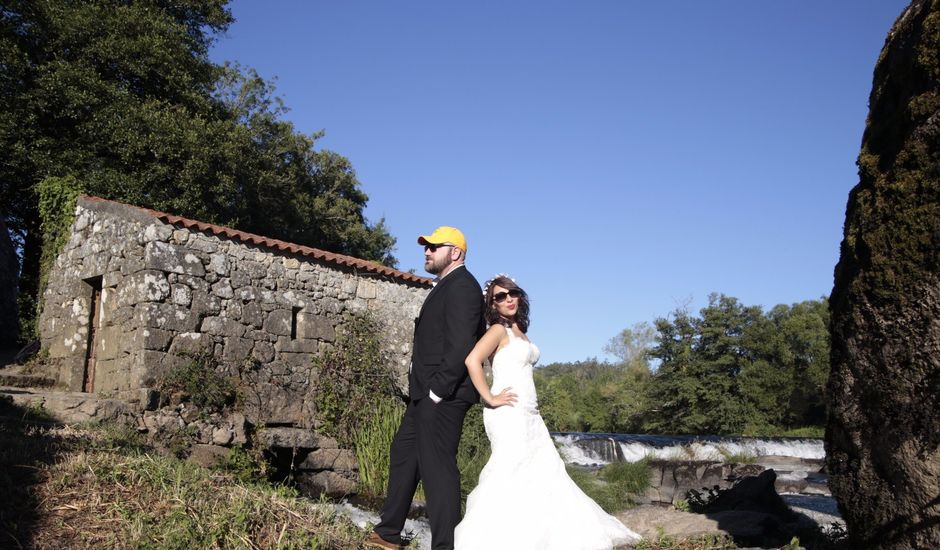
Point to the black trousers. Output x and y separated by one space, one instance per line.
425 448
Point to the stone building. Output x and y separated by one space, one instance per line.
136 292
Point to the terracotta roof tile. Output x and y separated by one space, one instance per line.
267 242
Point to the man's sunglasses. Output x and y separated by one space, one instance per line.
500 297
433 247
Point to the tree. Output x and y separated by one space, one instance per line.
122 97
632 345
735 369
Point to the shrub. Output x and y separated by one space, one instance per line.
349 378
201 384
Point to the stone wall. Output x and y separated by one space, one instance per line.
170 287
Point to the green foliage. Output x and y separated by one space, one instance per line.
733 369
372 443
592 396
350 377
199 383
473 452
246 465
737 370
35 411
737 458
615 486
122 97
56 205
704 542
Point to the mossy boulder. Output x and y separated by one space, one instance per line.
883 435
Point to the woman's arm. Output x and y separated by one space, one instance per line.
487 345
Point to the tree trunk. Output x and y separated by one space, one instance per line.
9 273
883 433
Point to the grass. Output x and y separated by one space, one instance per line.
373 443
705 542
99 487
614 486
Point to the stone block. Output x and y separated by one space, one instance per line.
366 290
143 286
165 316
180 236
293 438
222 436
236 349
239 279
113 342
273 404
208 456
339 460
181 295
155 338
157 232
253 315
285 345
203 243
223 326
195 283
239 429
315 327
330 483
254 270
263 352
172 259
205 304
223 289
278 322
219 264
190 343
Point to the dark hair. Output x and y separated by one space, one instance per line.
493 317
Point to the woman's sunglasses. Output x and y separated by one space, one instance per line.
500 297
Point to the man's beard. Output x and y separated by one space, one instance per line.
438 266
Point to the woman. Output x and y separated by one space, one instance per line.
524 498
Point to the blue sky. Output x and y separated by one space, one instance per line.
620 159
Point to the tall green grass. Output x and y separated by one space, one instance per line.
373 441
615 486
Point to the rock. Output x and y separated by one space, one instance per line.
753 493
339 460
222 436
208 456
884 405
330 483
653 522
293 438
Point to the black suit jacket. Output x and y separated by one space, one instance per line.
449 325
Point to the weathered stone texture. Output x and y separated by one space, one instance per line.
169 292
883 435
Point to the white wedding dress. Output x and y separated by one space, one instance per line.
525 499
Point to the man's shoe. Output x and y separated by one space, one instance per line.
375 541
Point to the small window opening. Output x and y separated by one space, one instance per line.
293 322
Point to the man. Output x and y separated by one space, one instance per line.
440 393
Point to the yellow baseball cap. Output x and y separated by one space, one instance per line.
445 234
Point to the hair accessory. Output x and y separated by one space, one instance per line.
486 287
